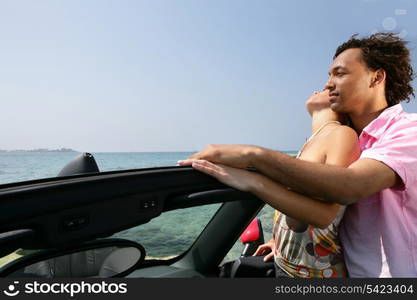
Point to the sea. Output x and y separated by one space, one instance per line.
163 237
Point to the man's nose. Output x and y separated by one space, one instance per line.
329 85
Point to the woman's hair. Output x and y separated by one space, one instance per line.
386 51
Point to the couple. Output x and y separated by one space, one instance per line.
370 166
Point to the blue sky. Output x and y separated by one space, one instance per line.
174 75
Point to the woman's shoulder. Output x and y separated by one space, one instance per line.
343 131
342 146
342 138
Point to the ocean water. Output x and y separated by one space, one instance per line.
22 166
169 235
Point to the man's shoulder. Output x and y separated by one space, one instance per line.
404 122
401 129
408 117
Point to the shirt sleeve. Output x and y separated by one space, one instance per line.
397 150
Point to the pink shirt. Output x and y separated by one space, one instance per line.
379 234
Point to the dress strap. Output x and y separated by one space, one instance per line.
322 126
314 134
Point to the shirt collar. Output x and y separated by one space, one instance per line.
380 124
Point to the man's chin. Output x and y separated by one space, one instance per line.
336 107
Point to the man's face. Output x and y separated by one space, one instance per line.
349 82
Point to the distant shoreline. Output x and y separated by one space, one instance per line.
69 150
42 150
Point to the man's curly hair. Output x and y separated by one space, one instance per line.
388 52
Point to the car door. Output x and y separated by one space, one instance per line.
64 211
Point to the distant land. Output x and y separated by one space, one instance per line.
42 150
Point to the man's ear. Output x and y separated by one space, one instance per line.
379 77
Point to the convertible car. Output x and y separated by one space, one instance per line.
86 223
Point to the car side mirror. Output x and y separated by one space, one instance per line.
102 258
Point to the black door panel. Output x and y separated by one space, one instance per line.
71 209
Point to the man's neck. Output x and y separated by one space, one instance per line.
361 119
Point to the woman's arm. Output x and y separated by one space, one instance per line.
307 210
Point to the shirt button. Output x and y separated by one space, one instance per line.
365 134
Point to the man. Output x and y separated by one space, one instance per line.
368 79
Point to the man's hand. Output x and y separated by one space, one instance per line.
237 156
236 178
267 248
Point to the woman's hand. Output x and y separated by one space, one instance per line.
237 156
267 248
318 101
239 179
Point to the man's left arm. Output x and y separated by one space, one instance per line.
332 183
390 161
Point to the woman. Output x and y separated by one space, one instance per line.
305 236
